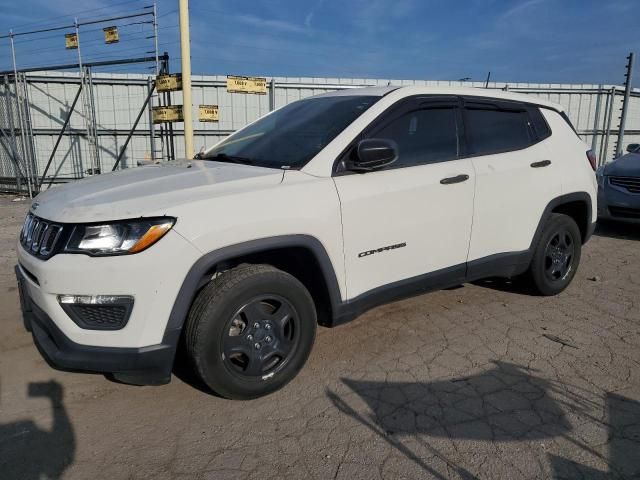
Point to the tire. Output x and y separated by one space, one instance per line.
250 331
556 256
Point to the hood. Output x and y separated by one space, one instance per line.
150 190
626 166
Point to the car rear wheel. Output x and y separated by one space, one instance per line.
250 331
556 256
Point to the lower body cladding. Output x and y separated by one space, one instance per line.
619 205
106 315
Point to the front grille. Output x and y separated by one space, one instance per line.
39 236
625 212
631 184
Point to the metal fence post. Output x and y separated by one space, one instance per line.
152 138
625 104
612 95
596 121
14 145
607 106
93 119
272 95
20 118
29 130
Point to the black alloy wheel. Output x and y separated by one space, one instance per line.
559 255
556 255
261 336
250 331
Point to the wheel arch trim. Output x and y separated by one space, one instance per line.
204 264
558 202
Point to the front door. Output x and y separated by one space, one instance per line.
413 217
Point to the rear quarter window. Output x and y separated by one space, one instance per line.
539 124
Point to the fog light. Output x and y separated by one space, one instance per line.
98 312
95 299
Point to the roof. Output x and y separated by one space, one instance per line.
433 90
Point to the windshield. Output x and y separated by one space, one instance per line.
292 135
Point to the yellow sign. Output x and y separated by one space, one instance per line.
256 85
71 40
111 35
169 83
208 113
172 113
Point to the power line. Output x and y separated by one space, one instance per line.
67 27
58 36
48 20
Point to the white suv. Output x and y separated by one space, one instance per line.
312 214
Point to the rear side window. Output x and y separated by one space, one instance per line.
492 130
423 136
539 124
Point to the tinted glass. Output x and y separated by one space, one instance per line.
494 131
423 136
539 123
293 135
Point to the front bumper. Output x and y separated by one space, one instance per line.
150 365
142 351
617 204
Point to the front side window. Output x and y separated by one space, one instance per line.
492 130
423 136
292 135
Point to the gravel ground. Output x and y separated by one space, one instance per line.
481 381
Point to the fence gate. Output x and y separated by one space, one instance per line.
17 150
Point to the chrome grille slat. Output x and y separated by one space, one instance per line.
39 236
51 240
32 229
629 183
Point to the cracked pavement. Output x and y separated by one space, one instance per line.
479 381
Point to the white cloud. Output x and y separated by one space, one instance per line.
519 9
312 12
270 23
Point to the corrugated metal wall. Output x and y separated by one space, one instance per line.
118 100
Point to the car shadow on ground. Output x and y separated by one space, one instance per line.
30 452
619 230
506 403
518 285
185 371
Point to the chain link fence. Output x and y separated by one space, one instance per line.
44 100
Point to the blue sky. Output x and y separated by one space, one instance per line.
559 41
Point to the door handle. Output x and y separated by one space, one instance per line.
456 179
543 163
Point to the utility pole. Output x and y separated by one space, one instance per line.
185 51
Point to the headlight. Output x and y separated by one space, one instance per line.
118 238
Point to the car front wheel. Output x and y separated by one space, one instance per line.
250 331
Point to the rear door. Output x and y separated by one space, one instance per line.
515 177
414 216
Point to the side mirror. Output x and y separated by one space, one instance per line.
633 147
200 154
374 153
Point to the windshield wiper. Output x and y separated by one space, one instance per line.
223 157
